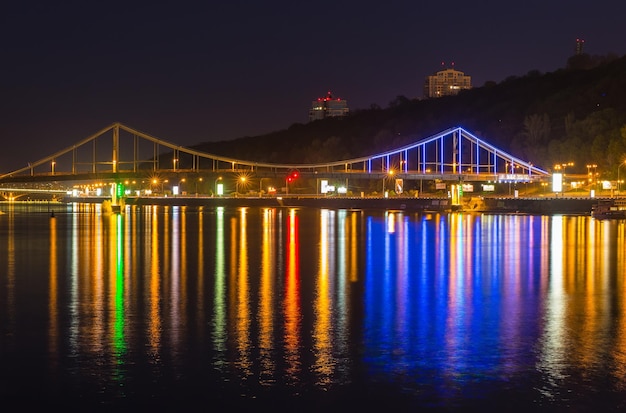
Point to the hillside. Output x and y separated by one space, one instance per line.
570 115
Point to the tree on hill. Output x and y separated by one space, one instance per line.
573 114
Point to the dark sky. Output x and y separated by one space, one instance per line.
191 72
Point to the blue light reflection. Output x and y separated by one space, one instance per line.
435 293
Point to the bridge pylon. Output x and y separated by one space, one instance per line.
117 202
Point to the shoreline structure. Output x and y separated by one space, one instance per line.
539 205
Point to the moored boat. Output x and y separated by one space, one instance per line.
609 209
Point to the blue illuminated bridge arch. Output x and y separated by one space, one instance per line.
118 150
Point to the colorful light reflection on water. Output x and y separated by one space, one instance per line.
326 306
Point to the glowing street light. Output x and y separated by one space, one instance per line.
589 174
241 180
389 175
562 166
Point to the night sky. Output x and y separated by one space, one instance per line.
191 72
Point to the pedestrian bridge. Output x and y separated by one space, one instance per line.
119 152
118 149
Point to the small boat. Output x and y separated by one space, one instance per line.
609 209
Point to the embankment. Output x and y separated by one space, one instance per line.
547 205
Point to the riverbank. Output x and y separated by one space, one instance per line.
539 205
414 204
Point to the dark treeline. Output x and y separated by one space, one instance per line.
575 114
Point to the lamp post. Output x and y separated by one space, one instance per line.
589 174
506 170
561 167
240 180
198 180
618 181
389 174
261 187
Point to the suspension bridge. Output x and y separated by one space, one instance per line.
119 153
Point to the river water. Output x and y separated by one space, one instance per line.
172 308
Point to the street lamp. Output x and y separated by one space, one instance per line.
198 180
618 182
389 174
240 180
589 174
261 187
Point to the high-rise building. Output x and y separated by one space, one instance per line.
328 107
446 82
579 46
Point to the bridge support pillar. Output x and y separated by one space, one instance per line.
117 199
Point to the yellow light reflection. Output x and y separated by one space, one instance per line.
292 300
183 261
94 291
53 310
619 373
266 300
555 340
242 320
10 260
322 345
154 325
200 282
